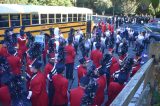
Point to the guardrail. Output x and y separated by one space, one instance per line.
125 96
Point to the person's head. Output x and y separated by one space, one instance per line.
101 71
35 67
51 30
11 50
60 67
84 81
124 40
3 44
83 62
118 33
52 60
70 40
22 33
23 28
98 45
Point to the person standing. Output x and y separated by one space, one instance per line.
96 55
14 61
102 82
60 84
3 50
82 69
118 40
37 89
77 94
69 59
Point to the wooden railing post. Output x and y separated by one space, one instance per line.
154 50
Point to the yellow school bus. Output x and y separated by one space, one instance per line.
40 18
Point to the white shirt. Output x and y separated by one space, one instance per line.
107 33
118 38
103 39
87 43
140 38
77 37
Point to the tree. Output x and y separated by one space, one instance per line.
58 2
15 1
98 6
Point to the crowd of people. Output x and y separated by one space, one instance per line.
41 74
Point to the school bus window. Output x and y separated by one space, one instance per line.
25 19
35 19
4 22
43 18
51 18
84 17
79 17
75 17
64 18
69 17
15 19
58 18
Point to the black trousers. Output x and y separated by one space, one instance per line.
69 70
117 46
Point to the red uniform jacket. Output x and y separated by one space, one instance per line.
113 90
38 87
15 63
121 58
99 98
61 85
47 69
76 96
19 54
103 27
135 69
96 57
114 60
113 68
29 62
28 71
70 54
3 51
81 72
5 98
22 44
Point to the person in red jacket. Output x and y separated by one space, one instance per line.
14 61
22 42
102 82
49 66
113 90
96 55
77 94
5 97
37 89
82 69
69 59
3 50
61 86
136 67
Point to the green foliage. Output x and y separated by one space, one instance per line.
98 6
156 98
40 2
15 1
155 3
